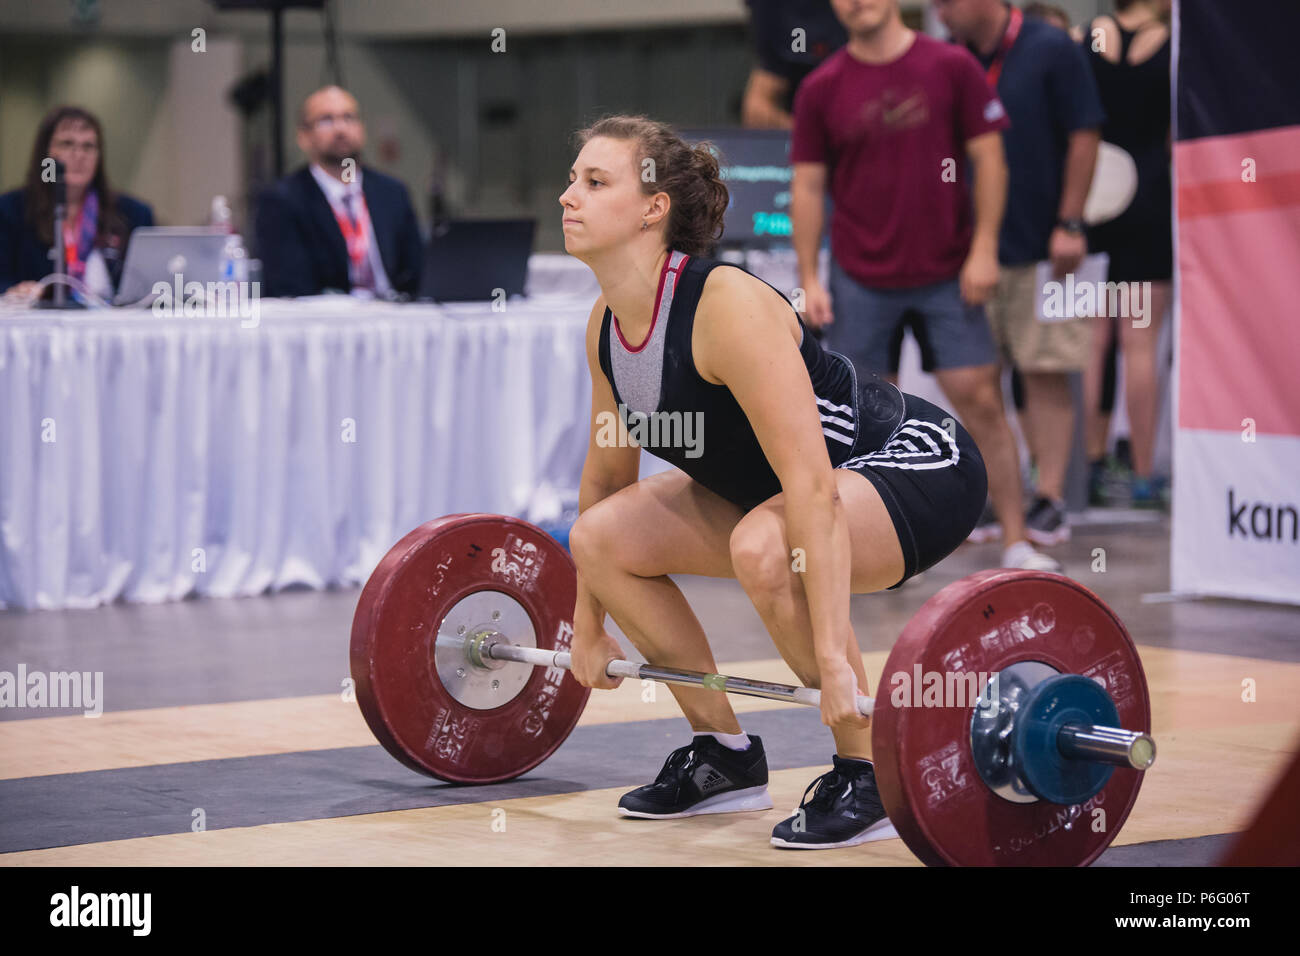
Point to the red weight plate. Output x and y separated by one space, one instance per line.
398 689
928 781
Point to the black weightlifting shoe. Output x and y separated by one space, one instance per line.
844 810
703 777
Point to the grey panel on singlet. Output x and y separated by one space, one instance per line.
639 375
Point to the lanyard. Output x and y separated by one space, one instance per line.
1004 46
71 240
354 234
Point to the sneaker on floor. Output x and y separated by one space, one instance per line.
1097 496
703 777
1149 492
1046 523
987 528
1117 483
1022 555
843 810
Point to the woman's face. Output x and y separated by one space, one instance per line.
604 204
75 144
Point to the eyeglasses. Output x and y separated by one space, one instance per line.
325 122
72 146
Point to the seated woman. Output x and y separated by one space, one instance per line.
98 220
808 481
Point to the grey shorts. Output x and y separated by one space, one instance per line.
869 325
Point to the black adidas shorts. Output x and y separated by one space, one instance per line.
926 467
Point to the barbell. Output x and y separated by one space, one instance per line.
1003 734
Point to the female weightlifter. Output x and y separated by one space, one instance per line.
795 475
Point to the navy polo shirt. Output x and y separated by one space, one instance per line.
1049 92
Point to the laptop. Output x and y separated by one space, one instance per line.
467 260
157 253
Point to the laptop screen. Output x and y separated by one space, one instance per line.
477 260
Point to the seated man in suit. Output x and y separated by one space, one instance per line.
334 224
97 223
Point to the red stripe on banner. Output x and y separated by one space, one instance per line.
1213 199
1216 159
1239 337
1210 171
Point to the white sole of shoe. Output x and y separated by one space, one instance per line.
881 830
1055 568
1049 538
734 801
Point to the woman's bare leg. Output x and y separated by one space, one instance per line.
626 545
760 555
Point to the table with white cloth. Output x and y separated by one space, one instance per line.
149 458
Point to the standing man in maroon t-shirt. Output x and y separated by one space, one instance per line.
888 122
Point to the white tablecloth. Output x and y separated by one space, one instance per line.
149 458
560 274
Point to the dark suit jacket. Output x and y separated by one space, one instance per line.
303 251
23 256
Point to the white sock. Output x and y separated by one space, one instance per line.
738 741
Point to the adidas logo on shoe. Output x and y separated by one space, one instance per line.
708 780
690 782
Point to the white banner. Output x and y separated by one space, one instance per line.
1235 514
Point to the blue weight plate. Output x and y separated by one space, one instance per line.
1049 774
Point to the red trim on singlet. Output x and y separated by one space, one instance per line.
659 293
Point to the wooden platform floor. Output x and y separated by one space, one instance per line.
296 778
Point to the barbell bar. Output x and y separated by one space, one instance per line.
1076 741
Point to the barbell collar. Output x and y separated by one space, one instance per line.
1112 745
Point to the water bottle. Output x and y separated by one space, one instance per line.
234 260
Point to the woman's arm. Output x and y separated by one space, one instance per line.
607 468
743 339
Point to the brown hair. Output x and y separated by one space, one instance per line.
690 175
38 196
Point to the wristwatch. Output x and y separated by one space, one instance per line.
1073 226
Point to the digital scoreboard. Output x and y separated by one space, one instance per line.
756 168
